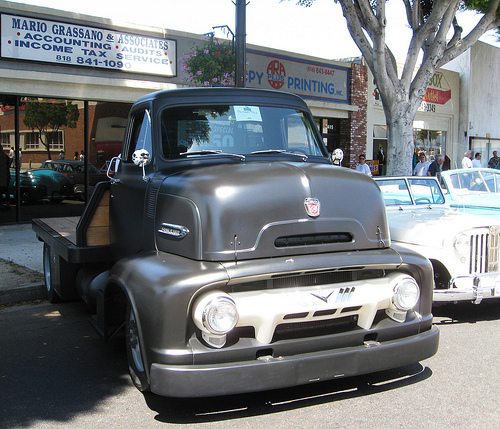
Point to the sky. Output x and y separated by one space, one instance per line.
319 30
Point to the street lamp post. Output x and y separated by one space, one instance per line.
240 43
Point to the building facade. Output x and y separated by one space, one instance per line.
479 125
435 125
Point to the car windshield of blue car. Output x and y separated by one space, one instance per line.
473 182
240 130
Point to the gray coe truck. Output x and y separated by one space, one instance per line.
234 256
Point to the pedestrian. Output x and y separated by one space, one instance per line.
4 180
467 159
436 167
82 156
494 161
12 156
75 157
381 160
422 165
476 162
61 155
363 167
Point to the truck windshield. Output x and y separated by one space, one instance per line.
238 130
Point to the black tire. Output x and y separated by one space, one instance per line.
134 352
48 262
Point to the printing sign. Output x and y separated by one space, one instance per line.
302 77
56 42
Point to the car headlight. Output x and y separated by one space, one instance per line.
406 294
461 243
215 314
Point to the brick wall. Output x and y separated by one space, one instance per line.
357 123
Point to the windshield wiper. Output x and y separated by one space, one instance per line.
302 155
212 152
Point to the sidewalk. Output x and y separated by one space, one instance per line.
18 244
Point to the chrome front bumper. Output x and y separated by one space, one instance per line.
473 288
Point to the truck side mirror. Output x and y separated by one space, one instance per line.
141 158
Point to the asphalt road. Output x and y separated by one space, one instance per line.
56 372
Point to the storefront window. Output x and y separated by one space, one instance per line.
432 142
52 179
485 147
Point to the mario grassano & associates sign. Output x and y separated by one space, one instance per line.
56 42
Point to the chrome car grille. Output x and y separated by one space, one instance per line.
484 253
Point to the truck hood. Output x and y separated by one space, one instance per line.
255 210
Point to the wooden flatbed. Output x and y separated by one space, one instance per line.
80 239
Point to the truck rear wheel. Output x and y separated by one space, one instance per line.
134 352
52 295
59 276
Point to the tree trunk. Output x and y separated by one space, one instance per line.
400 144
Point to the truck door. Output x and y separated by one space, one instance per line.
128 189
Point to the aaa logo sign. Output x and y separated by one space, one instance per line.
276 74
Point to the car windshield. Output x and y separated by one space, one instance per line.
403 191
238 130
473 182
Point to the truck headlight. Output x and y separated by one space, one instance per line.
215 314
461 243
406 294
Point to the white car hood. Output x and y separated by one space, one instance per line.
433 226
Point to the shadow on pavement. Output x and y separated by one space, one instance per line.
54 366
466 312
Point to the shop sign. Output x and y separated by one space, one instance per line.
438 93
33 39
305 78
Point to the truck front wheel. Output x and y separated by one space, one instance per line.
134 353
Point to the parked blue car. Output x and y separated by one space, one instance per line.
473 190
39 185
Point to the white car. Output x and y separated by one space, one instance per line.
463 249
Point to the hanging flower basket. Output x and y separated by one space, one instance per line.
209 64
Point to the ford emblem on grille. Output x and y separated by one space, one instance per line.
312 206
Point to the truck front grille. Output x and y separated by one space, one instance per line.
287 331
484 253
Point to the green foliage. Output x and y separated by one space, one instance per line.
210 64
48 116
478 5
